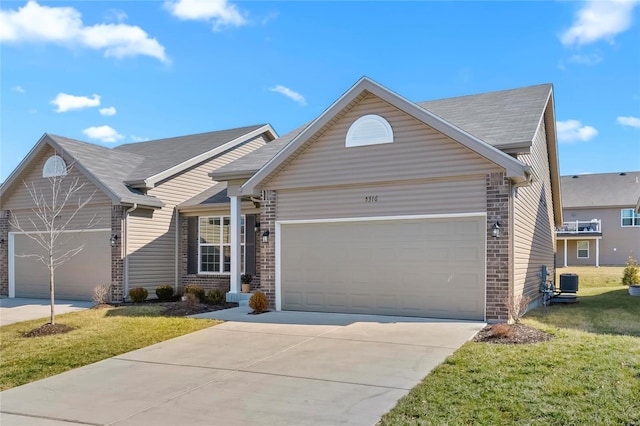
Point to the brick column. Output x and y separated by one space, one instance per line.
498 285
268 250
117 256
4 252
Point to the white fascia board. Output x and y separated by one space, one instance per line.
512 166
151 181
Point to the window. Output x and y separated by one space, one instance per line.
630 218
583 249
369 130
54 166
214 237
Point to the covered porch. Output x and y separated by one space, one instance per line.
585 236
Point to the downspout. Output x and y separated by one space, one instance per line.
126 249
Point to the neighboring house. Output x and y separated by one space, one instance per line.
381 205
602 219
135 188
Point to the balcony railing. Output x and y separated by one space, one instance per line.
593 226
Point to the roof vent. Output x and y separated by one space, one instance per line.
575 176
623 174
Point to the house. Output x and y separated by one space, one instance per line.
380 205
135 189
602 219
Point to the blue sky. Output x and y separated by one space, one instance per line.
119 72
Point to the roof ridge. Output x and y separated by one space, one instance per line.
514 89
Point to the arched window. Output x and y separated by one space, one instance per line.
54 166
369 130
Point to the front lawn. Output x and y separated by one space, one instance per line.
98 334
588 374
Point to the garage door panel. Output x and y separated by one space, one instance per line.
415 267
75 279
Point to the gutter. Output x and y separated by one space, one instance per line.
126 249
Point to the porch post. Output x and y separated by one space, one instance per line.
235 244
564 243
597 252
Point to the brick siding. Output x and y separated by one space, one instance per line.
498 284
268 250
117 258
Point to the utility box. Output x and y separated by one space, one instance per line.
568 283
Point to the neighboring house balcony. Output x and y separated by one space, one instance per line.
582 231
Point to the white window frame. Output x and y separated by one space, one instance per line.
635 218
578 249
54 166
355 138
221 244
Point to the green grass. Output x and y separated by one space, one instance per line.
98 334
589 374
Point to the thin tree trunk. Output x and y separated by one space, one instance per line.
51 292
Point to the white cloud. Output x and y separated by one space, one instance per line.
66 102
107 111
574 131
103 133
629 121
220 12
295 96
587 59
64 26
599 19
19 89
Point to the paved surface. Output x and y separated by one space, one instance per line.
279 368
21 309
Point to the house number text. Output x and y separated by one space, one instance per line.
371 199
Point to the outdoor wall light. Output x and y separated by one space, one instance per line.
256 227
495 230
114 239
265 236
2 241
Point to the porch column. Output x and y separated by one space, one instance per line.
564 243
597 252
235 244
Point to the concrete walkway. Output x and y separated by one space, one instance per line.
22 309
279 368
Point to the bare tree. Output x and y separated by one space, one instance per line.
48 223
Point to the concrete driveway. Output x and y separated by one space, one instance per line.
22 309
278 368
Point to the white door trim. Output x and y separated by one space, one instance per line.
278 242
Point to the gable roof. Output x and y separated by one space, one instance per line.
514 168
119 171
601 190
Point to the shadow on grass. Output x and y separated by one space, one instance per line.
611 312
135 311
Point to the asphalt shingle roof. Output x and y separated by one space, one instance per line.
600 190
217 194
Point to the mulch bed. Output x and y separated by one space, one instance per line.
48 329
511 334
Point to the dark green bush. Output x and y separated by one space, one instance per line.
196 290
259 302
631 274
164 292
216 297
138 294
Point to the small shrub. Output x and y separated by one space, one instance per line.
190 300
138 294
502 330
259 302
164 292
102 294
196 290
631 274
246 279
216 297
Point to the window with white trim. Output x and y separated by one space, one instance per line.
629 218
54 166
370 129
214 244
583 249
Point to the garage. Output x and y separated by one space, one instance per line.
424 267
74 280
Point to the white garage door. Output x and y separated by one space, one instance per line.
431 267
74 280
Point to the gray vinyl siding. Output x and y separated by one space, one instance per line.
99 216
534 230
152 234
466 195
422 152
617 241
